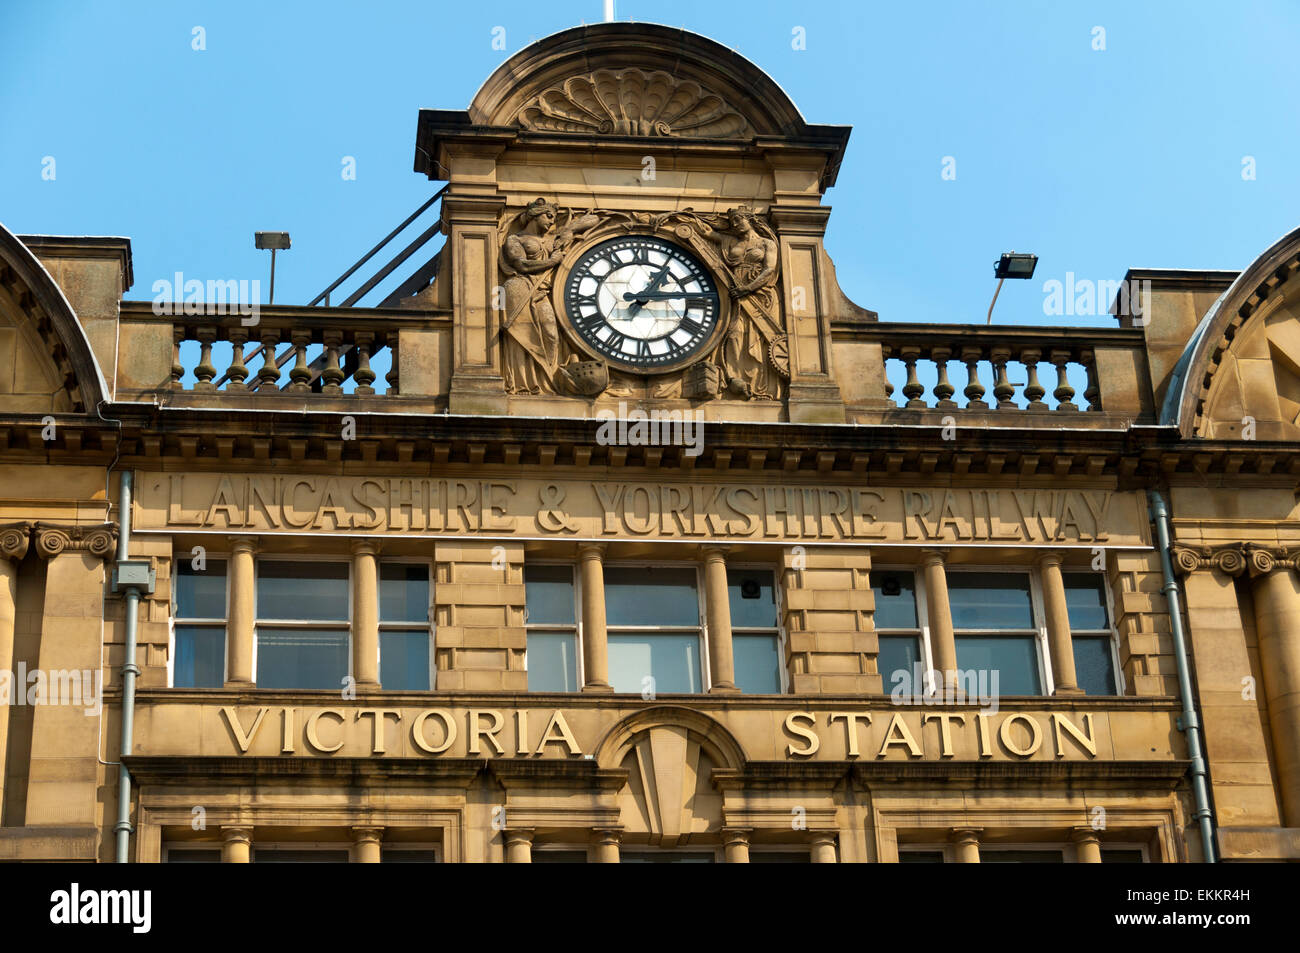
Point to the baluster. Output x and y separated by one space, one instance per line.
300 375
1034 391
238 371
392 375
974 389
178 369
943 390
913 389
205 371
1064 393
886 352
1092 393
1002 387
332 375
363 375
268 375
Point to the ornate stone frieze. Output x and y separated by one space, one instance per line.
53 539
632 102
1235 558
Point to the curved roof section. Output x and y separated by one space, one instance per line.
56 323
1193 375
685 56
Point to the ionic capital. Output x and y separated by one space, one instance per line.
14 540
53 539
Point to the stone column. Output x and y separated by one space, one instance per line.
62 785
717 608
607 846
1087 848
366 843
736 844
967 843
519 846
823 848
235 842
14 540
943 646
365 614
239 627
1276 594
1058 625
595 641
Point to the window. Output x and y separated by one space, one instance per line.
920 856
404 627
191 855
898 629
1027 856
562 856
1091 633
993 621
551 622
1123 855
666 857
408 855
779 856
295 854
199 598
755 637
303 624
652 614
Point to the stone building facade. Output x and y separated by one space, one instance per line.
645 543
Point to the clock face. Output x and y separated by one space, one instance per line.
642 303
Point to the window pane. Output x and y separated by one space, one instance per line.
287 590
548 591
753 598
990 600
1120 855
200 594
552 661
650 595
1013 657
1093 664
895 599
404 659
403 592
1021 857
899 653
301 658
672 660
193 855
398 856
1086 601
664 857
200 657
283 855
758 664
559 856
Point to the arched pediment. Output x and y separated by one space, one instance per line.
637 79
1239 376
46 363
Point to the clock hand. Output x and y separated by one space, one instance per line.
642 297
638 299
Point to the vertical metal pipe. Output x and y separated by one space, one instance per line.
130 670
1189 723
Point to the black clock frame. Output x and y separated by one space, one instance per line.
565 294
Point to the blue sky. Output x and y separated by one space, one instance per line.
1096 160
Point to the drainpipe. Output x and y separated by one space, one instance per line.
1188 722
133 576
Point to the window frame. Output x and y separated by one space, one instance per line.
345 624
700 629
778 629
1042 649
223 623
921 632
429 624
321 846
580 674
1112 631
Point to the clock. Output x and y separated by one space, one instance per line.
642 303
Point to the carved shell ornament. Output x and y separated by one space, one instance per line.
632 102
